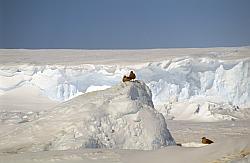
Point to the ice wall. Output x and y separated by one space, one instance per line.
219 81
174 80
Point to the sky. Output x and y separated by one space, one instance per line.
123 24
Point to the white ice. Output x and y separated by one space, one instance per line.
53 102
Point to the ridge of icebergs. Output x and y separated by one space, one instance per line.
179 80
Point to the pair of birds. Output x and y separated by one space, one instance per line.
131 76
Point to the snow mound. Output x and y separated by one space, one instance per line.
193 144
96 88
203 111
122 116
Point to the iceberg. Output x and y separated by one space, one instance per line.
122 117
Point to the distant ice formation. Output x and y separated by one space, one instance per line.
176 84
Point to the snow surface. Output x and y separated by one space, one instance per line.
207 84
229 146
122 117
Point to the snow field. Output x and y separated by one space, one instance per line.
197 85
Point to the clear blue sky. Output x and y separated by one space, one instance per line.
126 24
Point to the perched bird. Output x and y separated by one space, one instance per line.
125 78
204 140
132 75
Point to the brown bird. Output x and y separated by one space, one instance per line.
125 78
132 75
204 140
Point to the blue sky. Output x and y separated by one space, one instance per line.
123 24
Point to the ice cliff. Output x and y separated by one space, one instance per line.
122 116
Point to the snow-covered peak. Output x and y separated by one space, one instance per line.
122 116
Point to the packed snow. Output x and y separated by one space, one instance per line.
229 146
122 117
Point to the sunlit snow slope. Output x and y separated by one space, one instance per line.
196 84
122 116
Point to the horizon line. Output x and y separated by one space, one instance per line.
126 48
